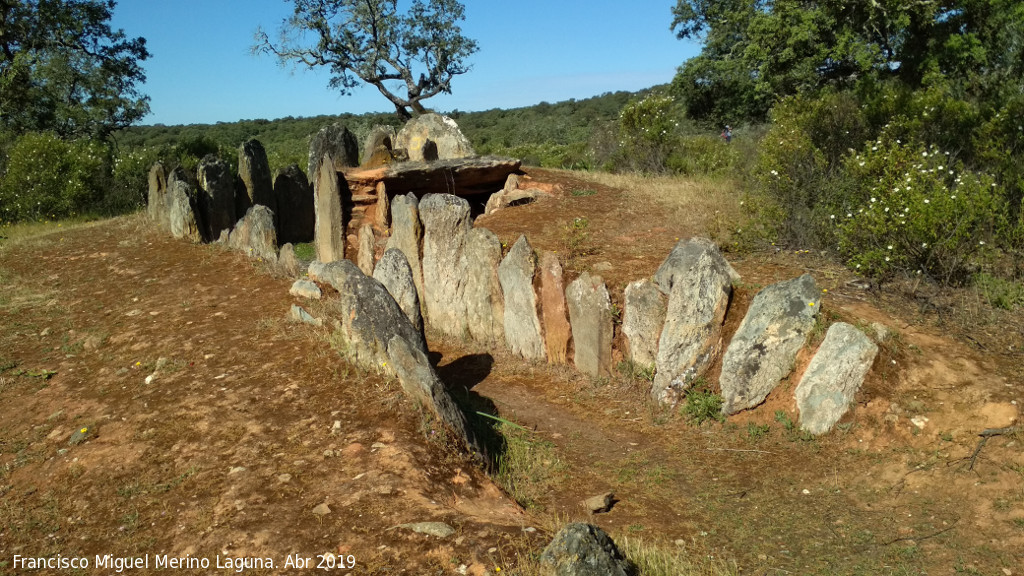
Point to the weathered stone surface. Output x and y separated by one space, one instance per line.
181 206
831 381
698 282
379 137
642 321
287 262
485 304
217 196
460 176
394 273
303 288
600 503
522 325
366 249
590 315
156 205
330 225
510 195
439 529
420 381
254 170
766 344
446 222
407 236
368 316
299 314
554 314
296 214
441 130
255 235
383 207
584 550
338 142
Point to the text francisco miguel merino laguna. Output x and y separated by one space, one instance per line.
156 561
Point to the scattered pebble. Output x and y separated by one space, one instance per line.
322 510
806 491
236 470
439 529
284 478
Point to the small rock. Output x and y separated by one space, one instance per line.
806 491
328 453
600 503
45 332
81 435
378 446
336 427
305 289
236 470
322 510
919 421
284 478
439 529
299 314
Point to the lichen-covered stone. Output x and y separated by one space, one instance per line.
590 315
522 324
446 223
832 379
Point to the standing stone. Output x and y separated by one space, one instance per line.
287 263
379 136
181 203
642 322
367 316
156 205
557 331
522 326
590 315
584 550
254 170
832 379
766 344
446 222
698 282
296 214
255 235
394 273
407 236
217 197
485 304
366 248
383 215
336 141
441 130
330 226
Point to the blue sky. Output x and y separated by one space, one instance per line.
202 70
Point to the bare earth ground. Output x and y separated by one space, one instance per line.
86 313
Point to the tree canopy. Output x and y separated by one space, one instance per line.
418 52
64 69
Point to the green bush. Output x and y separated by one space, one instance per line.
702 404
648 132
703 155
129 181
49 178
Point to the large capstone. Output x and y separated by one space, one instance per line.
832 379
217 196
557 332
522 325
330 224
442 131
698 282
407 235
255 235
182 200
394 273
367 316
485 304
584 550
446 222
338 142
254 170
296 214
765 346
590 315
643 319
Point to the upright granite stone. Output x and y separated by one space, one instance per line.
642 322
379 136
584 550
329 232
366 249
156 205
296 213
407 236
441 130
182 217
832 379
338 142
485 304
421 383
254 170
394 273
383 215
766 344
698 282
522 325
554 315
367 316
287 263
590 315
217 196
255 235
446 222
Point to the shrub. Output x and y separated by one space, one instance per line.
648 131
49 178
702 404
129 181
